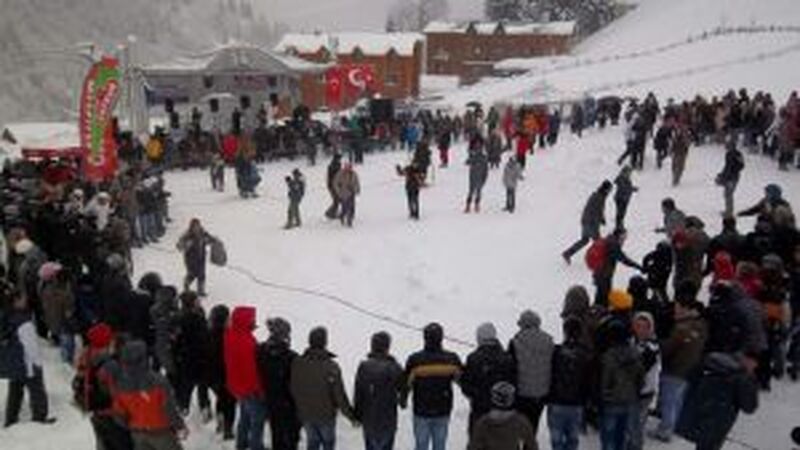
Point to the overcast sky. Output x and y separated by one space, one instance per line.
309 15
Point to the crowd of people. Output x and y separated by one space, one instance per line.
694 356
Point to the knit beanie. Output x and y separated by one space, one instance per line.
503 395
619 300
279 329
486 333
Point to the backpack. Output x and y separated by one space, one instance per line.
89 395
219 256
596 255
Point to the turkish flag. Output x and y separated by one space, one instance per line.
333 86
359 78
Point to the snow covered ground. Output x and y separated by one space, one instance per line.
449 267
661 47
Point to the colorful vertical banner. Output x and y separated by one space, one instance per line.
99 96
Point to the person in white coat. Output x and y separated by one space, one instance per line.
26 372
99 208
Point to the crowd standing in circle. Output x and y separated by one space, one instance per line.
147 348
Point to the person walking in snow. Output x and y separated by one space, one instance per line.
193 244
613 254
415 178
478 173
333 169
217 173
680 151
347 188
512 175
296 187
592 219
729 177
622 195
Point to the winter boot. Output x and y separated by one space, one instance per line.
467 209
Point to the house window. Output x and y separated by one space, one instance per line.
477 51
441 55
358 55
272 81
392 79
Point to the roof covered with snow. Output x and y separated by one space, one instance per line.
370 43
37 135
236 57
563 28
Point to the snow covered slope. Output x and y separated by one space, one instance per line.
449 267
675 48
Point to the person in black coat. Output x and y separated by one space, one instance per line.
191 352
729 240
592 219
729 177
658 267
487 365
333 168
115 293
274 359
415 178
623 194
570 386
193 244
226 403
721 389
377 394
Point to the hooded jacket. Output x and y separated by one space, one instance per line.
621 376
532 351
143 399
241 370
487 365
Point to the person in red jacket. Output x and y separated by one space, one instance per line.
523 146
243 379
144 403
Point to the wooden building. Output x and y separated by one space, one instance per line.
395 62
471 50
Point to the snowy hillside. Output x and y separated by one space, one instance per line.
450 267
41 40
675 48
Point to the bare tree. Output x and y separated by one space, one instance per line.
415 15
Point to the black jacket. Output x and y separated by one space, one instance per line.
714 398
377 393
570 380
274 359
658 266
487 365
192 347
429 375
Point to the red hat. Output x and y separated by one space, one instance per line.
100 335
723 267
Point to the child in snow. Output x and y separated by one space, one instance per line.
296 185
